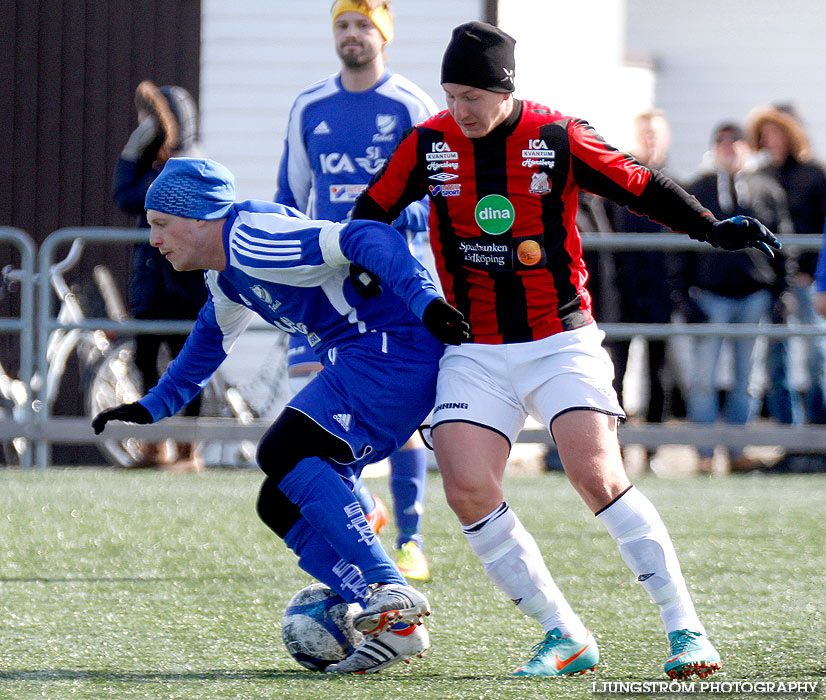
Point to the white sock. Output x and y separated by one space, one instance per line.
513 562
644 543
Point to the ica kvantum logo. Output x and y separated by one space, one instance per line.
494 214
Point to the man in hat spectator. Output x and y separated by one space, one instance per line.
737 287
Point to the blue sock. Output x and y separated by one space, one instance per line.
408 477
364 497
331 508
320 560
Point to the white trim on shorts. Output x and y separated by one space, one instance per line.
498 386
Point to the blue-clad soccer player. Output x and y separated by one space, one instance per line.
377 385
340 133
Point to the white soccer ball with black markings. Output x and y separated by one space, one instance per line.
317 627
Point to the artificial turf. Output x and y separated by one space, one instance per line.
133 584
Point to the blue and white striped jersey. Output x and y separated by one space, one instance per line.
337 140
294 273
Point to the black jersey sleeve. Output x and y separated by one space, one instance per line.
663 200
603 170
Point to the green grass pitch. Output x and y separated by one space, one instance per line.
118 584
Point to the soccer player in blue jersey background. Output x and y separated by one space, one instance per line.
340 132
377 385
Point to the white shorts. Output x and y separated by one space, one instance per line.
498 386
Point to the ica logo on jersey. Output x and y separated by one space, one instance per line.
538 154
440 150
336 163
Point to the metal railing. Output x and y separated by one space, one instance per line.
24 325
43 429
674 242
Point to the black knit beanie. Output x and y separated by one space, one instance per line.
481 56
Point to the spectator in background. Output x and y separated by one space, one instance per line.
340 133
778 133
644 298
167 126
734 288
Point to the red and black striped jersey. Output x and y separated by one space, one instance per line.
503 211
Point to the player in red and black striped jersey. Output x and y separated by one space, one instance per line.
503 177
503 209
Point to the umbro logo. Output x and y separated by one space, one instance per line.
443 177
644 577
343 419
322 128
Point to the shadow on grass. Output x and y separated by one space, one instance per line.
125 579
62 674
218 674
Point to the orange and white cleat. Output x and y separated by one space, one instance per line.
379 516
390 604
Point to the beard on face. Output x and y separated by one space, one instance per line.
358 59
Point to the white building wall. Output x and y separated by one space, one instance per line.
716 61
258 54
571 57
602 60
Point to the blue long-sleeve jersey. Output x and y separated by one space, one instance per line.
337 140
294 273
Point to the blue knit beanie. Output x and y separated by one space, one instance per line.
195 188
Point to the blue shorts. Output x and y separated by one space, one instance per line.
374 393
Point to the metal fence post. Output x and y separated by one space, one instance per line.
24 326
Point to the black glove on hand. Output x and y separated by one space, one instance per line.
364 282
129 412
145 133
743 232
446 323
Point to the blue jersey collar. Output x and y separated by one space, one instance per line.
381 81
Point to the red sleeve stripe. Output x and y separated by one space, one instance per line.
388 189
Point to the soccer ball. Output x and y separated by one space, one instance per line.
317 627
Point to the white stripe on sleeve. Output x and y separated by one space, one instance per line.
329 241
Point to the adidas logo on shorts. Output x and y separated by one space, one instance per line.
343 419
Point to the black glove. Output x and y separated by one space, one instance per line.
743 232
129 412
139 140
364 282
445 322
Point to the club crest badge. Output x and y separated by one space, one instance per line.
266 297
540 183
